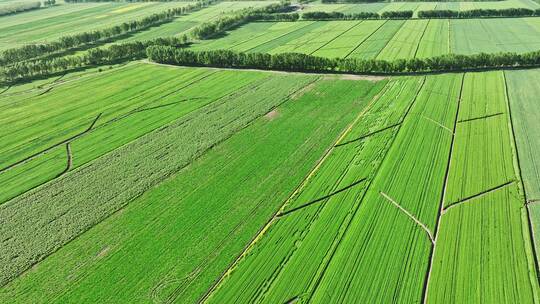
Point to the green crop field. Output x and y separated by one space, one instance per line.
52 23
380 7
392 39
169 174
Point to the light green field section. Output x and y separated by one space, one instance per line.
405 42
288 260
63 20
482 155
110 182
523 93
202 217
39 120
418 6
33 173
482 253
183 24
347 43
472 36
434 42
383 39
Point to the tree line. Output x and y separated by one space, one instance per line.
15 8
94 57
31 51
307 63
357 16
209 29
476 13
85 1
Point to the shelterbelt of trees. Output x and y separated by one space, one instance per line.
15 8
31 51
369 1
476 13
307 63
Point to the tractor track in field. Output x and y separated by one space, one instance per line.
284 213
443 195
477 195
480 117
410 215
299 188
69 164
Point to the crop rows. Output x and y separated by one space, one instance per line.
55 22
213 207
390 39
61 210
378 217
523 98
483 251
380 7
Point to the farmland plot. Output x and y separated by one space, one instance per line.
345 44
91 17
471 36
434 41
112 181
483 251
418 6
372 46
482 139
383 39
285 263
523 98
60 118
213 207
387 244
405 42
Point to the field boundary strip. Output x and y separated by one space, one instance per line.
477 195
300 186
481 117
521 185
443 195
369 134
69 161
325 267
410 215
